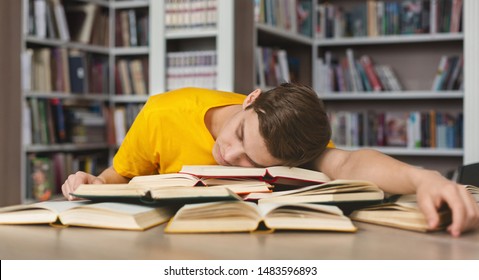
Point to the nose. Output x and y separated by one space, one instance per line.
236 156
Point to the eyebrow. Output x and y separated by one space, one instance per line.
241 129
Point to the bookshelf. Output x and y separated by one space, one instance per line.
99 34
414 59
222 31
278 30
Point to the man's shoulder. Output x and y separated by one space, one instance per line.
192 96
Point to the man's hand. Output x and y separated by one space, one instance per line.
433 193
75 180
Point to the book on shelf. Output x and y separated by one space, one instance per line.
276 175
41 185
396 129
150 194
348 194
81 18
380 18
109 215
449 73
413 129
191 68
61 20
77 71
272 66
190 14
348 74
240 216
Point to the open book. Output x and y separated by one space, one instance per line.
240 216
276 175
339 192
404 215
86 214
151 194
239 186
473 190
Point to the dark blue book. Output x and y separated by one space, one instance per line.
77 71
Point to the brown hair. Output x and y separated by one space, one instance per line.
293 122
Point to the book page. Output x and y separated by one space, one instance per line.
117 207
57 206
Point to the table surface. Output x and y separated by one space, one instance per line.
369 242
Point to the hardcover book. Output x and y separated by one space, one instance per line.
403 215
238 216
151 194
348 194
276 175
239 186
110 215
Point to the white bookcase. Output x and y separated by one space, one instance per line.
219 38
108 98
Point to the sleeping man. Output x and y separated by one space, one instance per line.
287 126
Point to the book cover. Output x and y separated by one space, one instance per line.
396 129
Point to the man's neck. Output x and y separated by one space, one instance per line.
217 117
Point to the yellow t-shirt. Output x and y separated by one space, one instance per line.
170 132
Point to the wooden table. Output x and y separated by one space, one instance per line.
370 242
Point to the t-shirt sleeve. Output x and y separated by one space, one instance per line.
136 154
331 144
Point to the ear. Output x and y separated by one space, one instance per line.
251 98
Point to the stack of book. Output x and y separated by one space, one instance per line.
210 199
219 199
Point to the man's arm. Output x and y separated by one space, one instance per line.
397 177
108 176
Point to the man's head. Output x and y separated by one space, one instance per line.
293 122
286 125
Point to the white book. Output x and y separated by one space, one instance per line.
27 124
414 130
260 67
120 124
433 17
393 80
355 79
61 20
436 85
25 15
283 66
321 13
132 23
40 12
26 58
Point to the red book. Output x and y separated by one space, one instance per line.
370 73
